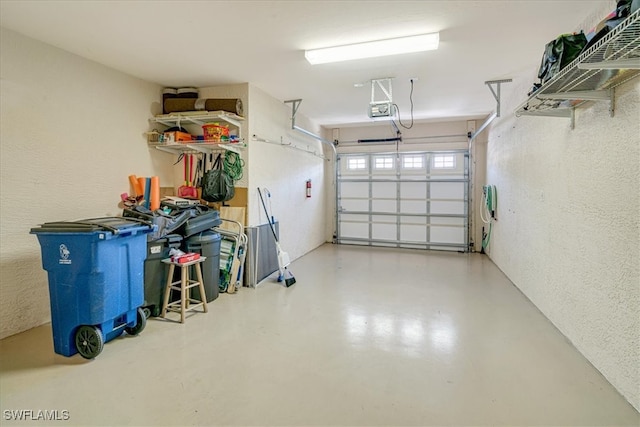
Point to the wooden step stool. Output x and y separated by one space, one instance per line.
184 285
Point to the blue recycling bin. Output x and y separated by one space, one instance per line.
95 269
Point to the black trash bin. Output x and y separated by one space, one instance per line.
155 271
207 243
192 225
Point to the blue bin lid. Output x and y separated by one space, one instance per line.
115 225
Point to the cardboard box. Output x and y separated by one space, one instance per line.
177 137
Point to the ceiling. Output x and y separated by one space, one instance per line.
209 43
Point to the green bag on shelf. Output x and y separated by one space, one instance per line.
559 53
217 185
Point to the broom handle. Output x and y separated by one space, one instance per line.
267 214
185 170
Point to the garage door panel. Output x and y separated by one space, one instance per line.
354 189
447 176
357 205
357 231
413 233
447 221
413 190
355 226
382 231
447 207
447 190
383 206
444 234
418 202
383 190
413 197
414 220
413 206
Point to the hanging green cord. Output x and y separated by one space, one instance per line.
486 238
233 165
490 204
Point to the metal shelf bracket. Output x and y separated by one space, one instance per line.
629 63
496 114
295 104
496 92
585 95
569 113
383 86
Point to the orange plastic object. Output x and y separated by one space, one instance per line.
135 185
141 185
155 193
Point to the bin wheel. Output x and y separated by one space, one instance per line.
142 322
155 312
147 312
89 341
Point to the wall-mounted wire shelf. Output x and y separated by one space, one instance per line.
200 147
290 146
198 118
610 62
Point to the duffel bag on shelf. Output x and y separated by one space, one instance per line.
559 53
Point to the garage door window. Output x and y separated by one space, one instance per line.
412 162
385 162
444 161
357 163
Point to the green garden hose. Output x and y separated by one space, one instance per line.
233 165
486 237
488 211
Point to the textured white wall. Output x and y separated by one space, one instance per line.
71 132
568 224
284 171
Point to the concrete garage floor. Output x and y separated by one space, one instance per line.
366 337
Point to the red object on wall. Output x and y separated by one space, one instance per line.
308 188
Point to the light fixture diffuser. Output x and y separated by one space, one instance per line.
374 49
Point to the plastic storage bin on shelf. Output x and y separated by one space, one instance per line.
215 132
95 269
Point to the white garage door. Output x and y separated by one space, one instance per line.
411 200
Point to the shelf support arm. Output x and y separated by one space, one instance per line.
568 113
613 64
496 114
295 104
496 92
585 95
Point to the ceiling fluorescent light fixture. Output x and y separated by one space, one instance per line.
374 49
